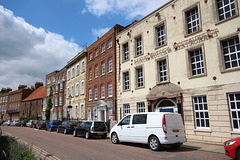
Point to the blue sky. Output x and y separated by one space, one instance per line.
40 36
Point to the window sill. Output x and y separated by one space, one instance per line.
197 76
203 130
225 20
235 132
190 34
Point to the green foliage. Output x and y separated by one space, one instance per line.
49 105
15 150
32 117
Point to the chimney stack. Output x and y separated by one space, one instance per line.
38 84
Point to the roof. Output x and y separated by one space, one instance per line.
37 94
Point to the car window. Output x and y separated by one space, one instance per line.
126 120
139 119
99 124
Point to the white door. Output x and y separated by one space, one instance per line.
124 129
138 128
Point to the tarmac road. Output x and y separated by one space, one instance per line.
67 147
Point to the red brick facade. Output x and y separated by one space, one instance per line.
103 71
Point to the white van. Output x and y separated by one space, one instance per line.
153 128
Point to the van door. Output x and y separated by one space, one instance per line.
175 128
138 128
123 129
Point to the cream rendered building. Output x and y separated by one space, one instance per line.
184 57
75 87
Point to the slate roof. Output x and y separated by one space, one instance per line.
37 94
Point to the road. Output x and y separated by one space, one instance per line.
67 147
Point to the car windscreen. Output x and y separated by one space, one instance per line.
99 124
55 122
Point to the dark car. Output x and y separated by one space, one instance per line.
52 125
67 127
42 124
34 125
232 148
90 129
22 123
1 121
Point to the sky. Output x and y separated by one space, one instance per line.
38 37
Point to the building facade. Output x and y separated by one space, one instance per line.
15 100
185 58
33 104
75 87
101 77
4 99
56 80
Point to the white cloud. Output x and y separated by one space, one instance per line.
28 54
100 32
131 9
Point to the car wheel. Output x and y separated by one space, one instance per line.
65 131
57 130
87 135
114 138
74 133
154 143
237 156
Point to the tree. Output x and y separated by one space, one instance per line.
49 104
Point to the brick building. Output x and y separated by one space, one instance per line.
101 77
33 104
4 99
56 80
15 100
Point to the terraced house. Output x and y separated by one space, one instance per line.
75 87
4 94
185 58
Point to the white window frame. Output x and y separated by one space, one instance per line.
201 113
234 104
103 47
77 89
68 92
140 107
90 94
161 35
82 87
96 52
126 109
95 93
110 43
78 69
83 66
139 77
96 71
68 74
76 111
110 91
90 74
72 90
223 7
125 51
103 68
139 46
110 64
82 111
102 91
89 114
126 81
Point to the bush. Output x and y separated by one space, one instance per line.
15 150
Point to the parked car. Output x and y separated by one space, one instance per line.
30 123
34 124
153 128
67 127
232 148
52 125
90 129
11 123
15 123
1 121
42 124
6 123
22 123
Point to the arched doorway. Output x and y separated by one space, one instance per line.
166 105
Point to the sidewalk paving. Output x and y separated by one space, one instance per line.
204 147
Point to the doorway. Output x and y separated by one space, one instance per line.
166 105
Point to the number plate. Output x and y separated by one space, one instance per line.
100 134
175 130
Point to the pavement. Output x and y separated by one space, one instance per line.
41 154
204 147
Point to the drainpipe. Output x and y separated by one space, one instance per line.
115 31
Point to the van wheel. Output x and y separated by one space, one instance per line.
114 138
154 143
